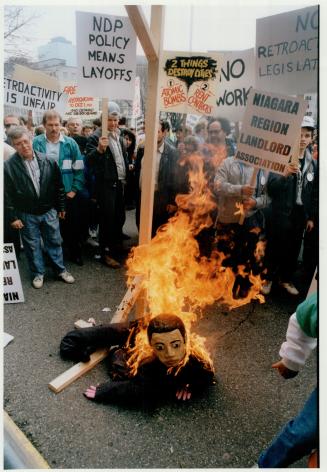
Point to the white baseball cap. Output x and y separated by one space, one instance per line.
308 122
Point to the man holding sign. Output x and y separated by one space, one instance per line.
294 209
107 157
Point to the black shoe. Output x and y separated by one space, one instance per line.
77 260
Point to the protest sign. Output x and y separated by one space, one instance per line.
287 52
236 80
270 130
106 55
12 286
189 82
83 107
22 94
36 77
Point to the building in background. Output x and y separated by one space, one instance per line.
59 48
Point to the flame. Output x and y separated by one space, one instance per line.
176 278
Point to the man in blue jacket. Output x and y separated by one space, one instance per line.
65 151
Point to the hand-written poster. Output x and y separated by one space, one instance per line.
270 130
189 82
236 80
83 107
12 286
21 94
287 52
106 55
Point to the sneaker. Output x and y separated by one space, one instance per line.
92 242
289 287
266 287
38 281
66 277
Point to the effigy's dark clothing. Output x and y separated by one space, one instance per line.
152 382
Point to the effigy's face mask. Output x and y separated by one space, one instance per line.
169 347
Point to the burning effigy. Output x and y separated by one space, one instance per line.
160 354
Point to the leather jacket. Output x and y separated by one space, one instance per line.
19 191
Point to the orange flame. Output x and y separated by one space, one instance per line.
175 277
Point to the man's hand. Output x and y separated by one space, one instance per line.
90 392
61 215
17 224
249 203
247 190
284 371
183 393
103 144
310 226
70 194
291 169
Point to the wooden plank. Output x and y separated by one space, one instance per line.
128 301
104 118
141 28
152 117
121 314
76 371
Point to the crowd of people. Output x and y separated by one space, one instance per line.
93 178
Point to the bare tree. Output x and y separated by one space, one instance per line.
17 19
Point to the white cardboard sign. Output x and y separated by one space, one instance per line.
12 286
21 94
189 82
236 80
83 107
106 55
270 130
287 52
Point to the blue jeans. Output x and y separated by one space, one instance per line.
47 227
297 439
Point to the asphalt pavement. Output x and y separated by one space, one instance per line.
226 429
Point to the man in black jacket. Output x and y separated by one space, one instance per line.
107 159
294 210
33 194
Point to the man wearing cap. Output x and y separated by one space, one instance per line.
294 205
107 158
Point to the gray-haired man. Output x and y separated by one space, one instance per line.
34 198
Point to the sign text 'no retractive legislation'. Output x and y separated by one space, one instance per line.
287 52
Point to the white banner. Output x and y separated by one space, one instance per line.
83 107
106 55
189 82
12 286
22 94
287 52
236 80
270 130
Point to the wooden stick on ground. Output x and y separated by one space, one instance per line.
77 370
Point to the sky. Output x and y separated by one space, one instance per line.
221 25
